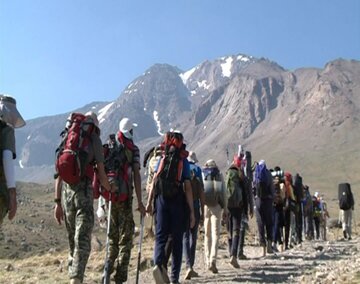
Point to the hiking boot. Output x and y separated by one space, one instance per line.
345 235
158 275
264 250
213 268
194 273
269 248
234 262
188 274
242 256
274 247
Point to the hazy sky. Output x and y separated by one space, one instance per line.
57 55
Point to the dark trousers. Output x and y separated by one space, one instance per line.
190 238
170 217
299 223
287 224
317 227
278 221
233 229
309 228
264 208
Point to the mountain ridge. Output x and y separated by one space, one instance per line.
297 119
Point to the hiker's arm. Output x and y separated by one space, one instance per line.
137 185
150 198
189 199
58 211
103 177
9 173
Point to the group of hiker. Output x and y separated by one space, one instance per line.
181 197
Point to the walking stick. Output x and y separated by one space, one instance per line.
140 245
106 276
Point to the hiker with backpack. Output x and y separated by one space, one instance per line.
79 152
317 214
190 235
151 159
238 189
122 166
278 210
10 119
264 199
289 207
298 191
308 213
346 204
215 210
172 195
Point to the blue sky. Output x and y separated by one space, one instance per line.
56 55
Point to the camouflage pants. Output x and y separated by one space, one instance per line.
79 220
4 201
121 238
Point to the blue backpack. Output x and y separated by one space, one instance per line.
262 183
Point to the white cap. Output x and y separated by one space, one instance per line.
125 126
93 116
192 157
210 163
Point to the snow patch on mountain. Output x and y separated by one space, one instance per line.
243 58
186 75
203 84
157 121
226 67
103 111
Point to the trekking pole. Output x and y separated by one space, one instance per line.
354 220
140 245
106 275
227 156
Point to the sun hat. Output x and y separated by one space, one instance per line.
9 112
192 157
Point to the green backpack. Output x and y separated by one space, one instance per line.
235 186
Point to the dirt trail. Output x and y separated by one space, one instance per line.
312 262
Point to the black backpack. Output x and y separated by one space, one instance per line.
346 200
168 177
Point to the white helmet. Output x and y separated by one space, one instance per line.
125 126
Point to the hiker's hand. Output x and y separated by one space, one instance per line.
12 203
113 187
149 209
192 220
59 213
142 209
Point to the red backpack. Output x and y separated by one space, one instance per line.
168 177
72 163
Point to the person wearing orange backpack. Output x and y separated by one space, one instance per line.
74 201
10 118
173 207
